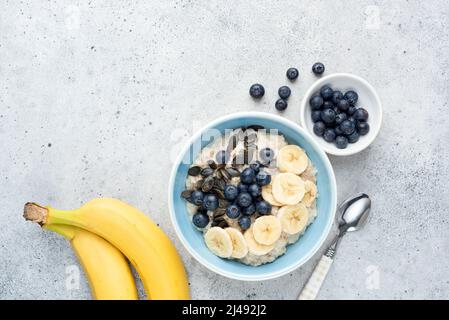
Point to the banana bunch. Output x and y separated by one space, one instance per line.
105 231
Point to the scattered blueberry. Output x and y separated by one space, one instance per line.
200 220
197 197
254 190
292 74
316 102
326 92
245 222
284 92
210 202
351 110
341 142
281 104
352 97
249 210
242 187
361 114
266 154
316 115
336 96
263 178
222 157
343 105
347 127
247 176
329 135
353 137
328 116
340 117
263 207
257 91
318 128
231 192
244 199
318 68
255 166
362 127
233 211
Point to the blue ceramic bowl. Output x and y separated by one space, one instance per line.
297 253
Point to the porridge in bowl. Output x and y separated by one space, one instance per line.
251 194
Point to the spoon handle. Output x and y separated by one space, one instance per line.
313 285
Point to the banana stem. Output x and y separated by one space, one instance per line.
35 213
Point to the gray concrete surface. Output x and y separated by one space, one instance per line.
90 91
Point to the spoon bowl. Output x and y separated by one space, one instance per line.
353 213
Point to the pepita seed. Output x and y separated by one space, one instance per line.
194 171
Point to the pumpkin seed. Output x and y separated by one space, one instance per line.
233 172
225 174
223 204
219 183
186 194
223 224
194 171
208 184
212 164
218 192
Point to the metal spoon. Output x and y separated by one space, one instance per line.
353 214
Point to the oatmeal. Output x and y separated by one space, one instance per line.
251 194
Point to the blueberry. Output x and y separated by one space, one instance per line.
343 105
347 127
197 197
244 199
352 120
292 74
361 114
316 115
340 117
242 187
284 92
336 96
254 190
255 166
233 211
263 207
362 127
281 105
329 135
327 104
328 116
319 127
231 192
247 176
352 97
245 222
263 178
222 157
353 137
266 154
326 92
318 68
316 102
249 210
200 220
341 142
210 202
338 131
351 110
257 91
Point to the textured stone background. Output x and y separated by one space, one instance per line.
89 93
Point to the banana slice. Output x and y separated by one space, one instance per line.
219 242
293 159
293 218
288 188
267 194
267 230
239 246
254 247
310 195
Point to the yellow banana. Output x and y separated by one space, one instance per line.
144 244
106 268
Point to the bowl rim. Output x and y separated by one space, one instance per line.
374 131
287 269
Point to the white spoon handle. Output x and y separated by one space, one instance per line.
313 285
